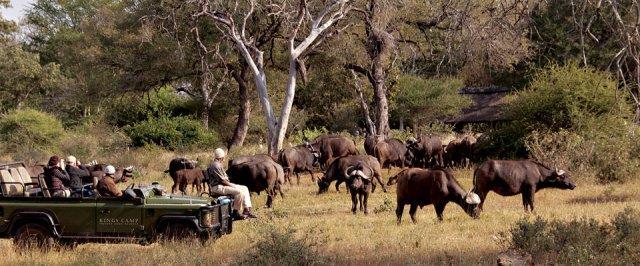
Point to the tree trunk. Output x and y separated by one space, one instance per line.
244 110
285 113
371 127
380 45
205 115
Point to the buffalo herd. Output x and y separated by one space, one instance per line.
425 178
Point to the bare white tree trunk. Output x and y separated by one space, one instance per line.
332 12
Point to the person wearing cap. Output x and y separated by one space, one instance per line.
77 173
107 185
55 177
219 184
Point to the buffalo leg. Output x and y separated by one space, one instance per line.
361 197
527 199
380 181
174 187
412 212
313 178
354 202
298 178
399 210
440 209
366 200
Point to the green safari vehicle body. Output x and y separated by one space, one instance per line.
142 218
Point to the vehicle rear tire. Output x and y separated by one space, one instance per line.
33 235
178 232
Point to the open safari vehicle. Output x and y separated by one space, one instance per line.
144 214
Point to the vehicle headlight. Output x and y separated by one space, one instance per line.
207 218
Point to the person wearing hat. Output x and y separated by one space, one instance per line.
77 172
107 185
219 184
55 177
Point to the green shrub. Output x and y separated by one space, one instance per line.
565 242
131 109
307 134
172 133
29 134
571 99
285 247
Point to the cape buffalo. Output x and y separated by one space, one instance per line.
420 187
359 183
509 178
422 150
179 164
391 152
184 177
258 174
251 158
337 171
331 147
298 159
460 151
370 142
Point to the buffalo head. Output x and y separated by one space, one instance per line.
323 185
560 179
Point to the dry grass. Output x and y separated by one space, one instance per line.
354 239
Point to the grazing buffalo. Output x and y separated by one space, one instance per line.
359 183
298 159
420 187
331 147
424 149
337 171
391 152
184 177
460 151
259 174
509 178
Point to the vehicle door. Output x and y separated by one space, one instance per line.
118 217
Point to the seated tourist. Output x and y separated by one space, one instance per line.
55 177
107 185
77 172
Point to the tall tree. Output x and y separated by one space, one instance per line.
319 20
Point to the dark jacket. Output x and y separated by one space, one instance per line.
76 174
55 177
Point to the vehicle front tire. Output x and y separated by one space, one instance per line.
34 235
178 232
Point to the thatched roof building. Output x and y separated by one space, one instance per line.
486 108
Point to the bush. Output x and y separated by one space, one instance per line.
30 134
565 242
172 133
566 111
138 108
283 247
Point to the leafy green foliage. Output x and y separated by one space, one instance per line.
172 133
28 133
132 109
425 100
559 98
565 242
